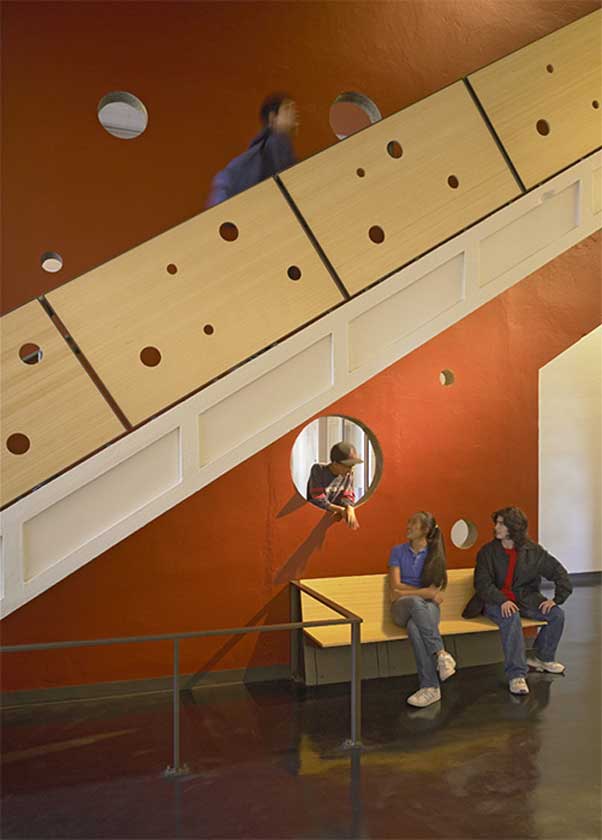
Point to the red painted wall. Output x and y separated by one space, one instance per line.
202 69
223 557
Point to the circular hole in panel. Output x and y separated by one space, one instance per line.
208 329
543 127
122 114
595 104
453 182
350 112
314 443
150 356
294 272
394 149
51 262
30 353
228 231
18 443
360 172
447 377
172 269
550 68
376 234
464 533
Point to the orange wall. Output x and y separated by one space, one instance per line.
223 556
202 69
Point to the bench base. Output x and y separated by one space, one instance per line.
324 666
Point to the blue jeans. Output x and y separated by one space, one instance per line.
421 618
513 641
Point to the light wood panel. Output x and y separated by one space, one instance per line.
408 197
240 288
368 597
518 91
53 403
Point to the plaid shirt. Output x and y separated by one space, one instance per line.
325 489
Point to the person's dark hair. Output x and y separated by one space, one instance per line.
271 105
434 572
515 521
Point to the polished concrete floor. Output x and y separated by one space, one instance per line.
267 761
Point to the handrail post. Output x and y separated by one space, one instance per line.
356 686
175 769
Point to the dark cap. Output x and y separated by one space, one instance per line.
345 453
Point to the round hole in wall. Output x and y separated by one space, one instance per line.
351 112
464 533
447 377
18 443
122 114
228 231
543 127
595 104
313 446
294 272
360 172
550 68
172 269
30 353
51 262
453 182
150 356
376 234
394 149
208 329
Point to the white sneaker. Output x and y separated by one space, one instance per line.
519 686
446 665
539 665
424 697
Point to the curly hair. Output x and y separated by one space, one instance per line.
515 521
434 572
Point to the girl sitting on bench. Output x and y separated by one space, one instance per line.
417 577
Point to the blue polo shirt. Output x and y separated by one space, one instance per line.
410 564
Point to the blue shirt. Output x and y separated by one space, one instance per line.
410 564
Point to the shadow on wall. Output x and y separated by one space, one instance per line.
296 563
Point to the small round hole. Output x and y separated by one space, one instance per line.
360 172
464 533
550 68
376 234
30 354
453 182
543 127
150 356
351 112
595 104
172 269
447 377
51 262
294 272
208 329
228 231
122 114
18 444
394 149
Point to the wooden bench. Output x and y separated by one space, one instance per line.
386 650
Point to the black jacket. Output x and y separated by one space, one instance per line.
533 563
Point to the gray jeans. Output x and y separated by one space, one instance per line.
421 619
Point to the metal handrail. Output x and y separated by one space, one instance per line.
177 769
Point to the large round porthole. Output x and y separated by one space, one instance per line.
314 445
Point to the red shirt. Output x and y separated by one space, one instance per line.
512 554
